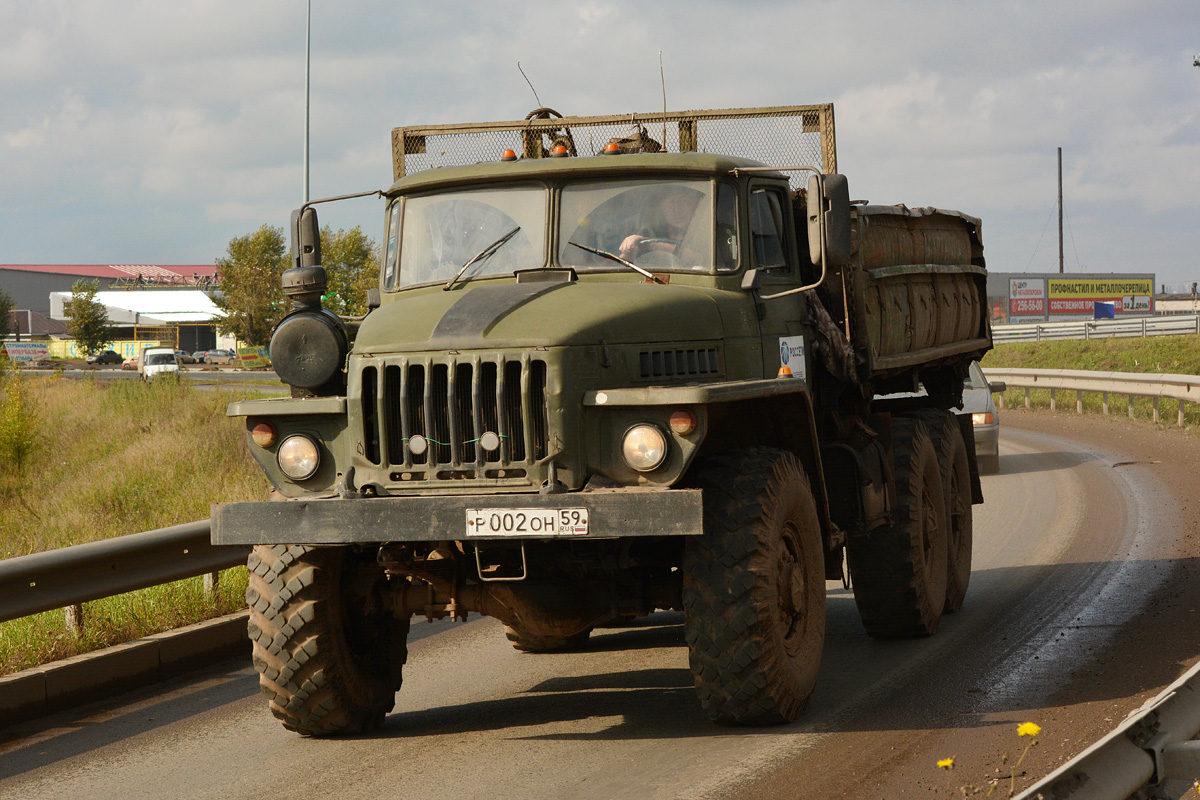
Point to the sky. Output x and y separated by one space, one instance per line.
155 132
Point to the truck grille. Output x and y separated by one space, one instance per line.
452 404
673 363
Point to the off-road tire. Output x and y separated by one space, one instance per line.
754 589
531 643
956 486
899 571
325 667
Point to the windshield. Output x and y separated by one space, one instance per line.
158 359
975 378
651 223
442 233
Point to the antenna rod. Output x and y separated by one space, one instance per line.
307 70
1060 214
663 78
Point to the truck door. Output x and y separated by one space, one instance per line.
773 254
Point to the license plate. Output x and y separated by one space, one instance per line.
499 522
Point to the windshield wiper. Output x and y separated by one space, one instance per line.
618 259
482 255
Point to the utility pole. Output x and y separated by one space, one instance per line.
1060 214
307 71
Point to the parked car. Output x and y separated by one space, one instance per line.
199 356
220 357
130 363
985 420
185 357
104 357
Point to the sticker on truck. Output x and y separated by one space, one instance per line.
791 355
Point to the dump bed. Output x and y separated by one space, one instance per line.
919 287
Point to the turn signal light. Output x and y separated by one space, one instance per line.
263 434
508 155
612 149
560 151
683 422
986 418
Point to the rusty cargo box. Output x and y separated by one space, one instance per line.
920 287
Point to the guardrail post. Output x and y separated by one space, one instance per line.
1000 400
1131 406
1039 333
1079 401
1104 402
1027 398
1053 399
212 582
1144 331
1179 421
1155 401
74 618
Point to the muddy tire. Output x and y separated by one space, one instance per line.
754 589
530 643
956 487
325 667
899 571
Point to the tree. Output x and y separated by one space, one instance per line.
6 305
351 262
251 293
87 318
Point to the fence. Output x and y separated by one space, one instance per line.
1096 329
1181 388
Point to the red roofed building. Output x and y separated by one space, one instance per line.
30 285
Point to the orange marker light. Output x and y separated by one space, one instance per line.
508 155
612 149
560 151
263 434
683 422
784 372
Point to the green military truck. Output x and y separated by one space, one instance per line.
609 371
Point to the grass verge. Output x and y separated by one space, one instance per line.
106 458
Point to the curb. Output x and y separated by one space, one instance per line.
85 678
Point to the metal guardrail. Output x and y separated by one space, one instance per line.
1182 388
69 576
1096 329
1153 745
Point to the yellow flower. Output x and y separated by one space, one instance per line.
1028 729
946 764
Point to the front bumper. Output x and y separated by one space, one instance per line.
987 440
613 514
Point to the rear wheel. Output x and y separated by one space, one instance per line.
899 571
754 589
531 643
956 486
326 665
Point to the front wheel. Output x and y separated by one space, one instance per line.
754 589
326 665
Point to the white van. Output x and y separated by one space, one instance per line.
156 361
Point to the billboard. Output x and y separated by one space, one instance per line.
1072 298
1026 299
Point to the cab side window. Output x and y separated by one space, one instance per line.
766 229
726 251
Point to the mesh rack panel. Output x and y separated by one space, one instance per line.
780 136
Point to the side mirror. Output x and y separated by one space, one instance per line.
751 280
306 238
829 219
998 386
373 299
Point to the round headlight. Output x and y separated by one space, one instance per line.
299 457
644 447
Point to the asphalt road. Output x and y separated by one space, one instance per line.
1083 602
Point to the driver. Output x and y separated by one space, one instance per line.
663 223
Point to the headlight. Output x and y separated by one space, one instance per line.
644 447
299 457
986 418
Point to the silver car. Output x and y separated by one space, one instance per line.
978 402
